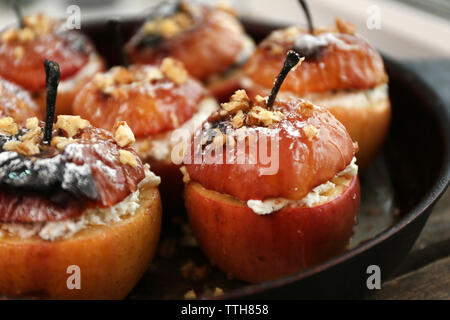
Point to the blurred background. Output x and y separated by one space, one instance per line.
401 28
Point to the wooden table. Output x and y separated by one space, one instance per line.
425 274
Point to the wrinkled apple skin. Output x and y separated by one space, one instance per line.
257 248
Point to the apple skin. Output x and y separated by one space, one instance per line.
257 248
111 258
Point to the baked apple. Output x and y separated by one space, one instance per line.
24 48
342 72
73 195
209 41
257 224
154 100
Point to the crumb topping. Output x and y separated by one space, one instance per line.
238 101
123 134
71 125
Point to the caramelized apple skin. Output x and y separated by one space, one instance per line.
347 63
210 47
258 248
148 108
17 103
303 162
27 70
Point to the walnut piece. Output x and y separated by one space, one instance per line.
174 70
123 134
61 142
71 125
126 157
28 147
261 116
238 101
8 126
32 123
238 120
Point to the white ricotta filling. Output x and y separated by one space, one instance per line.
352 99
319 195
160 147
93 66
56 230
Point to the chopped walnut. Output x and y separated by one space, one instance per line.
186 177
61 142
123 134
71 125
126 157
28 147
190 295
32 134
238 101
174 70
154 74
32 123
8 126
345 26
261 101
310 131
35 25
238 120
261 116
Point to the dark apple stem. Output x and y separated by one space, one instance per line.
52 75
292 59
18 13
307 14
114 25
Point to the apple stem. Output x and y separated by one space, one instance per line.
114 24
305 8
292 59
52 75
18 13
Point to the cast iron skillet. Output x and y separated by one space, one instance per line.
415 160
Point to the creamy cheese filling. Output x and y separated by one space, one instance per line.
93 66
319 195
342 98
56 230
160 147
354 99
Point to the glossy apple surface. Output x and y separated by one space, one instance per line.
257 248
